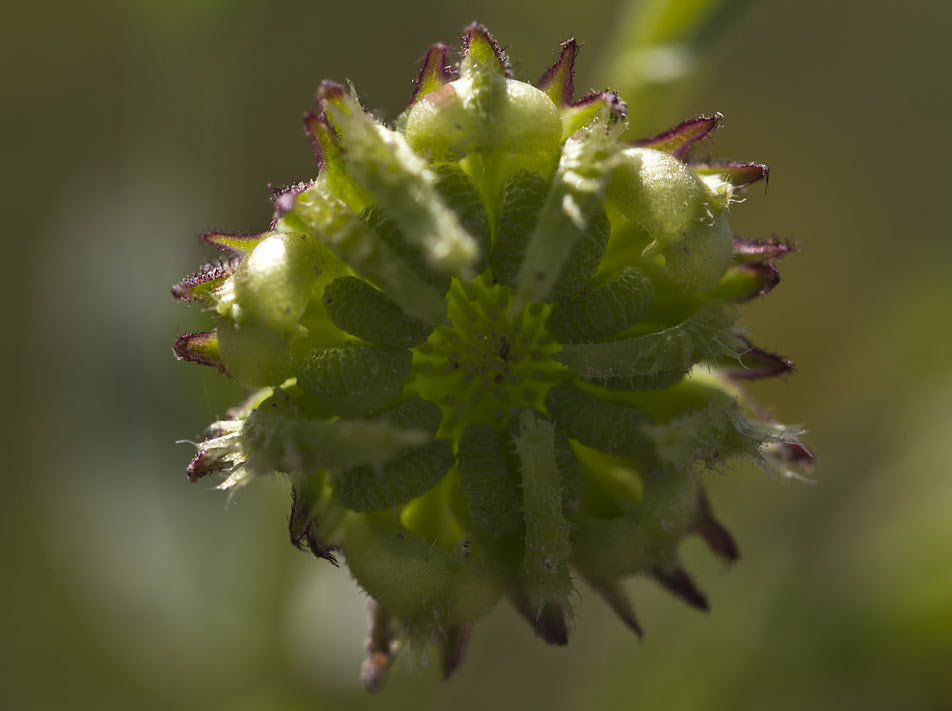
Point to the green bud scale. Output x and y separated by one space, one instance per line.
494 347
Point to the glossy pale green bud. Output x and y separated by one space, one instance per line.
272 286
676 209
447 124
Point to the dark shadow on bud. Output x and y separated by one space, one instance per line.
453 644
718 538
549 622
677 582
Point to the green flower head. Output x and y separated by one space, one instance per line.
493 346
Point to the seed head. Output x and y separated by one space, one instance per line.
494 347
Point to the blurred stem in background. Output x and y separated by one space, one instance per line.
657 49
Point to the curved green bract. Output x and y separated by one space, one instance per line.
355 380
361 310
570 473
407 476
571 220
605 426
602 310
649 381
709 436
436 587
584 257
522 197
462 196
705 336
284 442
544 568
489 487
416 414
393 236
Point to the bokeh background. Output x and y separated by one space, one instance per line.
130 126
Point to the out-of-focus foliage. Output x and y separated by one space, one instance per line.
128 125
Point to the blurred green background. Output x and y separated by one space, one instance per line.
130 126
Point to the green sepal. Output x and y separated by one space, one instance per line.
411 474
544 573
355 380
489 487
709 436
602 311
704 336
522 197
572 213
281 441
416 414
463 198
361 310
605 426
570 474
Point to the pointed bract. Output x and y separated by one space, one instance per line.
718 538
752 250
677 582
744 282
549 622
480 49
559 79
737 174
453 643
614 594
235 243
679 139
200 287
433 74
204 463
285 198
755 363
589 107
199 348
